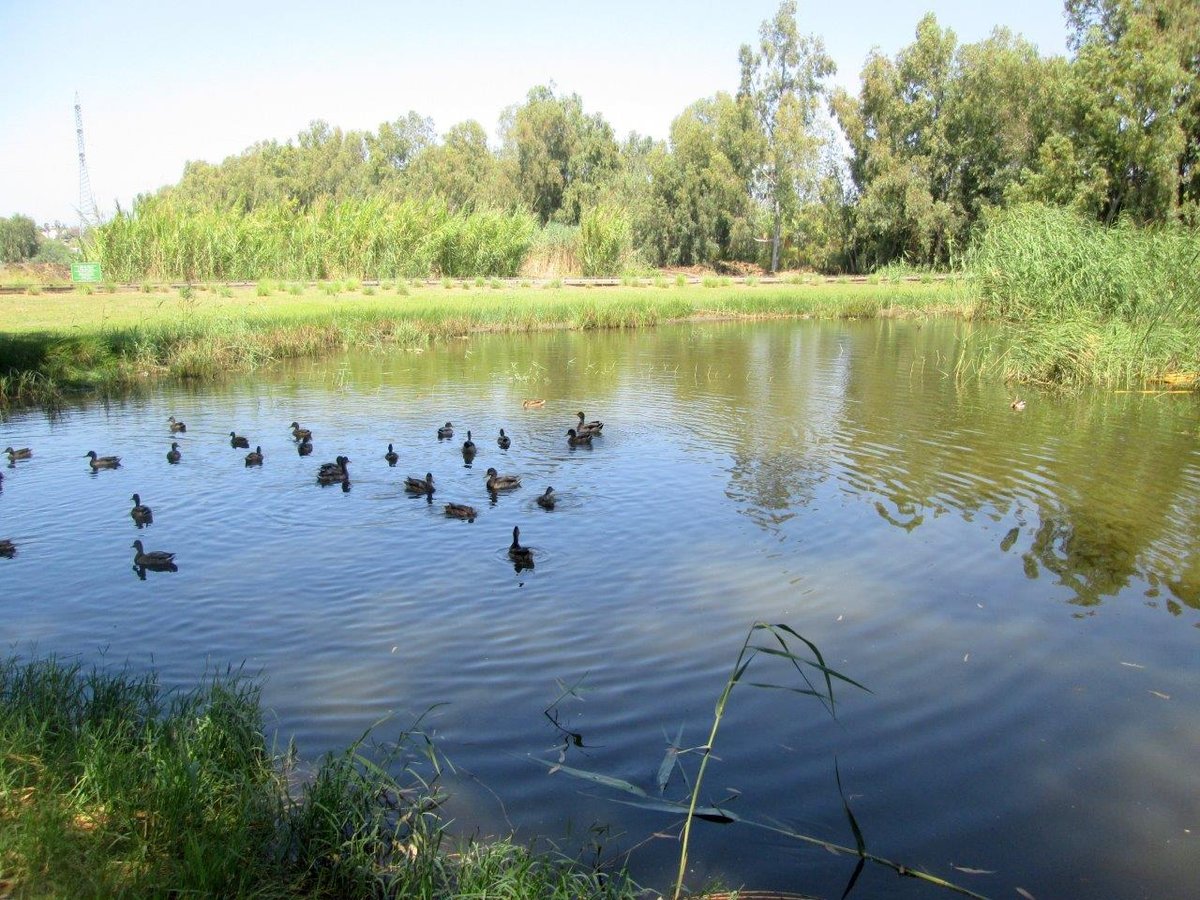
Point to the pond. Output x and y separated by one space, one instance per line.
1019 590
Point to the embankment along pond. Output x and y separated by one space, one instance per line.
99 340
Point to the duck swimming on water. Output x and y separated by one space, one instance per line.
419 485
522 556
102 462
498 482
141 513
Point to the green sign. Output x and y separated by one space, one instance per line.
85 272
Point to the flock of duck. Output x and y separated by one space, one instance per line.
330 473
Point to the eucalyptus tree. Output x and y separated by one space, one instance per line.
783 83
1136 75
391 149
703 184
562 156
463 171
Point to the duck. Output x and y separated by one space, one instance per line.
446 431
504 440
334 472
14 455
391 456
533 403
236 441
301 434
419 485
254 457
518 554
461 511
141 513
7 548
176 426
592 427
1017 404
304 448
468 448
575 439
498 482
102 462
151 559
173 455
547 500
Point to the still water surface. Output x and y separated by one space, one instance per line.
1019 591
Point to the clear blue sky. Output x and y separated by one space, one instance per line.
165 82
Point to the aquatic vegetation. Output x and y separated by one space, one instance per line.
113 785
1086 304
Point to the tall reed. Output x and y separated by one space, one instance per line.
1086 303
164 239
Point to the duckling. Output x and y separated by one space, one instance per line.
141 513
173 455
391 456
151 559
592 427
578 440
7 548
446 431
547 500
334 472
523 556
533 403
497 482
102 462
301 434
419 485
504 441
236 441
254 457
304 448
460 511
176 426
1017 404
14 455
468 448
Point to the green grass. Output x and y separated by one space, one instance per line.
112 786
61 342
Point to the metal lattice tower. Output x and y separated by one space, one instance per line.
89 213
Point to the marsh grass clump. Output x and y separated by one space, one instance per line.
1087 303
112 785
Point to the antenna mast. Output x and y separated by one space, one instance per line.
89 213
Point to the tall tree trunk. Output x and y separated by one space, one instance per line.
775 239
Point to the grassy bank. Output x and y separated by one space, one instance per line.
1085 304
112 786
53 343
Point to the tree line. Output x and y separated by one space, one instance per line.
939 136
